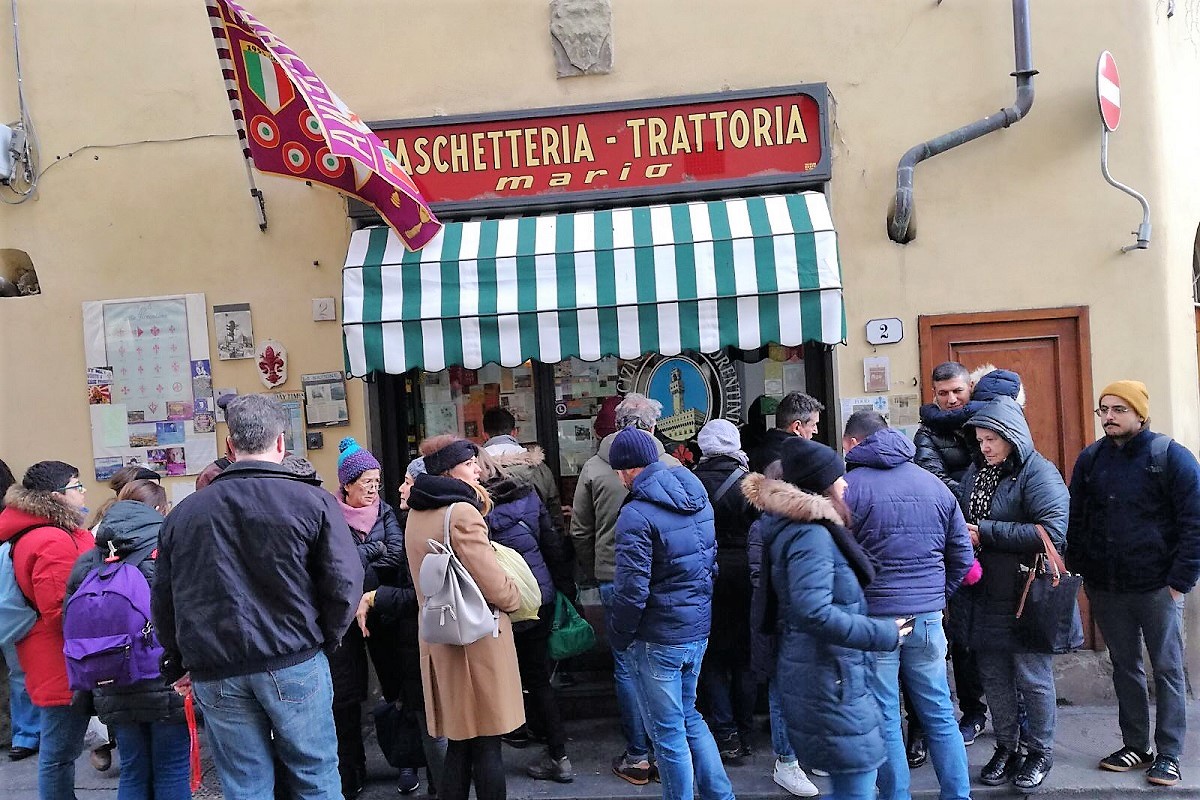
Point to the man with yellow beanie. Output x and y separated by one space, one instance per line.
1134 535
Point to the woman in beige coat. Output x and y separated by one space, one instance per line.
472 692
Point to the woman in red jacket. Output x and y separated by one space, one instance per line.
44 514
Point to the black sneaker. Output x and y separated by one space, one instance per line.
916 751
1002 768
519 738
1126 759
970 726
408 782
1033 771
731 747
1164 771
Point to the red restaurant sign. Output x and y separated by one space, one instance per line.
765 138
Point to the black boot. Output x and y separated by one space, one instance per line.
1002 768
1033 771
916 751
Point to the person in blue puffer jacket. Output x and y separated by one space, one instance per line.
520 520
817 572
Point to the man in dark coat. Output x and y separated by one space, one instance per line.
798 414
911 526
257 580
661 610
1134 534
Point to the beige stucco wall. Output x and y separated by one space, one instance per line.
1019 219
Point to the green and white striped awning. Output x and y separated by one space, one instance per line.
622 282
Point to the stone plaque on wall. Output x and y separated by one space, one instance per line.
581 35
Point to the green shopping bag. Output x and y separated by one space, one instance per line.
570 634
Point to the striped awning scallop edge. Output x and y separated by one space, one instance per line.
623 282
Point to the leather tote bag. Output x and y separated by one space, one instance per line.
1048 611
455 611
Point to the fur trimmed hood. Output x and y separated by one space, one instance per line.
785 500
41 505
529 457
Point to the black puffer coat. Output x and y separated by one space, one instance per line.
1031 492
825 636
132 528
732 516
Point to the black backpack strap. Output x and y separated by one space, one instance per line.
728 483
1158 453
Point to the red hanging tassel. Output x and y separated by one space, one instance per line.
189 710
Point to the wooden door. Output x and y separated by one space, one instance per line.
1050 350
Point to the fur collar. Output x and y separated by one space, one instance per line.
44 506
786 500
532 457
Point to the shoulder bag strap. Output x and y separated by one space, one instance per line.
733 478
446 528
1053 559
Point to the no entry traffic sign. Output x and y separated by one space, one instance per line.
1108 90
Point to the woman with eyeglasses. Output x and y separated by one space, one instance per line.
43 519
380 543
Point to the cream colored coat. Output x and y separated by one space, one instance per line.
473 690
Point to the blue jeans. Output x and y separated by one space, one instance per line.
921 662
853 786
62 742
297 704
780 742
24 714
637 743
666 676
1126 619
155 761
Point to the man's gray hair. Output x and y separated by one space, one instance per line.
255 422
638 410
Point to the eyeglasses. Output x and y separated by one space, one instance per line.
1116 410
371 484
79 487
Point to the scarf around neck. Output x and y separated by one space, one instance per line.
986 481
360 520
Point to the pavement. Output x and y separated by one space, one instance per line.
1084 734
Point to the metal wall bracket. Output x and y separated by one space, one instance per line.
1143 231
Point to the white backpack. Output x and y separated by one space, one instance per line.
455 611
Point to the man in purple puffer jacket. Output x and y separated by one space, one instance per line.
911 525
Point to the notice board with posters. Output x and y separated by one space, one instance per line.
149 384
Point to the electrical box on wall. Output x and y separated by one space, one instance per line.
7 161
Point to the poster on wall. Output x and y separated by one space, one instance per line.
294 441
149 384
234 330
325 399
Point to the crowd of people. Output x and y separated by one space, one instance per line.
841 583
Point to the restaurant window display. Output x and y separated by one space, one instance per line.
454 400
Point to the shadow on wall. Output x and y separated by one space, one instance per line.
17 275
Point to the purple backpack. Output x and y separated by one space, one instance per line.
108 635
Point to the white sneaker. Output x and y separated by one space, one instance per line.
789 775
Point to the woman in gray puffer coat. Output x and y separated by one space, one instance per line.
152 734
1005 495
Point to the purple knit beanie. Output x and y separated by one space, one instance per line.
353 461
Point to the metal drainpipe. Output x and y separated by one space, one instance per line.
900 217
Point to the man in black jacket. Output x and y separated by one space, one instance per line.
798 414
258 578
1134 535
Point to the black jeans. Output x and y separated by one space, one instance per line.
534 665
475 761
730 689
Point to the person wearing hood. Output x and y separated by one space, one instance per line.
525 465
519 520
380 543
43 517
726 682
472 692
148 717
599 495
910 525
661 610
1007 493
257 580
816 573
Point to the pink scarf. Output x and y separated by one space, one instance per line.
360 520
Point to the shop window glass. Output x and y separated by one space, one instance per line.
580 387
454 400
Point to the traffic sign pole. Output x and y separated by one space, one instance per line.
1108 98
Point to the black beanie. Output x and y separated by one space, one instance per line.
810 465
48 476
449 457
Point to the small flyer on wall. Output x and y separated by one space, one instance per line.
294 441
325 399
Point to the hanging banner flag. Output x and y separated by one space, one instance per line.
290 123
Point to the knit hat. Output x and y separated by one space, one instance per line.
632 448
810 465
719 437
48 476
606 417
353 461
415 467
1132 392
449 457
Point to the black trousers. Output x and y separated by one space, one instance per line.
534 666
474 761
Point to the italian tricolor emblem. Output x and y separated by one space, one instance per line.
266 79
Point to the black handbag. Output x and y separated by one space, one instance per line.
1048 611
399 736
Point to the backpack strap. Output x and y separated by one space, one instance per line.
12 551
728 483
1158 454
446 527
